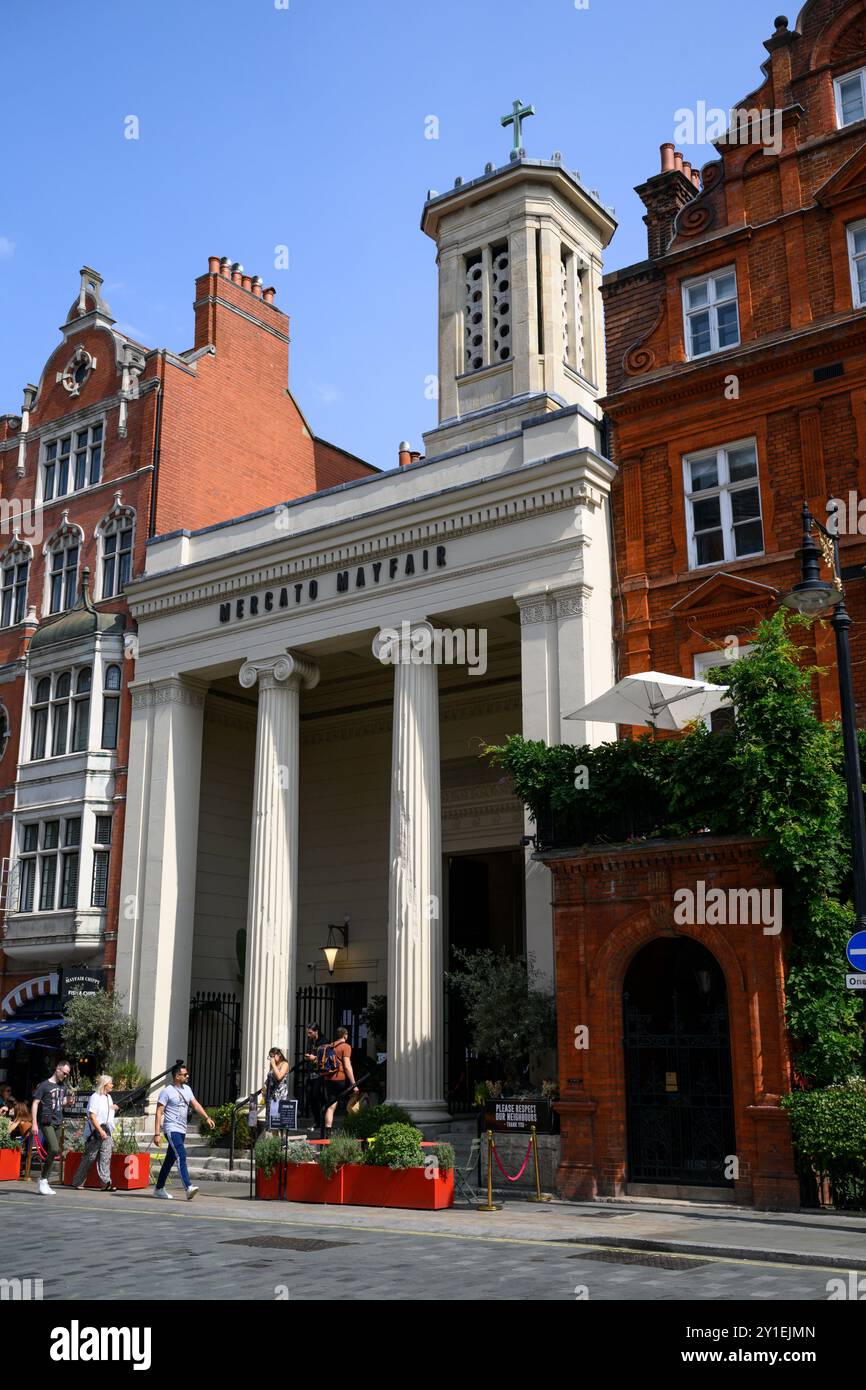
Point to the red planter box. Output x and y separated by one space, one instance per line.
10 1164
268 1189
128 1171
305 1182
365 1186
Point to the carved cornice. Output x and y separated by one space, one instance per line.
275 572
170 691
568 602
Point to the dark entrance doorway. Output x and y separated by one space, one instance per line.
485 909
679 1100
330 1006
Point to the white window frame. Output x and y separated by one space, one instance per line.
837 93
119 522
853 258
101 857
66 539
723 490
54 706
76 450
709 279
705 661
17 554
67 847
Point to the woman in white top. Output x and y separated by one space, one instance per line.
97 1135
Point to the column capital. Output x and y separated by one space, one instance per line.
552 602
171 690
393 645
271 672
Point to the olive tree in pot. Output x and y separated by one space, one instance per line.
511 1016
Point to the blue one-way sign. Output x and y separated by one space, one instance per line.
856 951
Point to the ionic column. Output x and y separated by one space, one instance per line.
269 991
415 958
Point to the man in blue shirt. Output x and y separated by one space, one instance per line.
172 1111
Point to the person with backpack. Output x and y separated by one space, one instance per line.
337 1077
172 1112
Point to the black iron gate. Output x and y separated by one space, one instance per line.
678 1076
330 1006
214 1051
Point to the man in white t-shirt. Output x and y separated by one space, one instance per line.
97 1135
172 1111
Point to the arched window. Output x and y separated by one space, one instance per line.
110 706
62 555
60 713
14 574
116 533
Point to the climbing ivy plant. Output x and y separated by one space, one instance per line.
777 775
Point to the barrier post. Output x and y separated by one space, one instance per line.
538 1195
490 1205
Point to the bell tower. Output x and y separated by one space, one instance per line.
519 251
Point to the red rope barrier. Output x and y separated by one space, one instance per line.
520 1173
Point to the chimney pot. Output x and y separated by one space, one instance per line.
414 455
678 160
687 169
225 266
404 453
696 178
667 154
268 294
237 272
213 265
247 282
257 286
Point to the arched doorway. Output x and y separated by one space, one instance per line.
679 1099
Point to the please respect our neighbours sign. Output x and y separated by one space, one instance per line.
517 1115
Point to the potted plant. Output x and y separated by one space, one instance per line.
397 1172
268 1152
130 1165
10 1153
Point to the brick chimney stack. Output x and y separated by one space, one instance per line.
664 195
236 314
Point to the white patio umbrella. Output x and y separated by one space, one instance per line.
662 702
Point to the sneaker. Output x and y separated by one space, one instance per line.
161 1192
190 1193
44 1190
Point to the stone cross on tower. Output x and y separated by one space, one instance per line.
518 115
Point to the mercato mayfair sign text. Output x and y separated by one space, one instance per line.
363 577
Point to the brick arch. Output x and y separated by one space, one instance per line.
827 42
622 945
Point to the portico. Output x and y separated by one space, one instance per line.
315 683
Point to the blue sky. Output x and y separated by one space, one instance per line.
304 126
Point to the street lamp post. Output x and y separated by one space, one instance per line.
813 596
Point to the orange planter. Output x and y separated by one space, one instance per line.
268 1189
305 1182
369 1186
128 1171
10 1164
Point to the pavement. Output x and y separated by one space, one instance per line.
222 1245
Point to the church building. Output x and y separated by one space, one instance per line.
316 679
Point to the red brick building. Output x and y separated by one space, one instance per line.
672 1043
736 365
118 442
